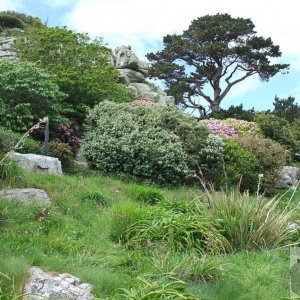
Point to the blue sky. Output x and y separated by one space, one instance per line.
142 24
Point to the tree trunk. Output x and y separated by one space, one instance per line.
215 106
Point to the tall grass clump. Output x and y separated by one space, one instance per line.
143 193
179 227
151 288
249 222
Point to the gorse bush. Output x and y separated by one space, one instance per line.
159 144
7 21
270 155
250 222
241 168
277 129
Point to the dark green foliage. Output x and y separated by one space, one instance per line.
236 112
270 155
96 198
143 193
160 144
10 22
286 109
27 94
9 139
62 151
241 167
277 129
28 20
217 51
81 66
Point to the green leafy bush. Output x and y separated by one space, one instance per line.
277 129
9 139
10 22
241 167
250 222
159 144
144 193
270 155
28 20
27 94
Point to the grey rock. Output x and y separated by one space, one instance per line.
6 44
128 76
289 177
293 226
166 100
26 196
126 59
44 285
39 163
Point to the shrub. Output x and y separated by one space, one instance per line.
27 94
159 144
66 134
96 198
277 129
10 22
180 227
270 155
250 222
29 20
237 112
8 139
241 167
218 127
144 193
62 151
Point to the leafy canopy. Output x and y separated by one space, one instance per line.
27 93
81 66
217 52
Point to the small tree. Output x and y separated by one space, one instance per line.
217 51
286 109
81 66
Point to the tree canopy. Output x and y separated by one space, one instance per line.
81 66
214 54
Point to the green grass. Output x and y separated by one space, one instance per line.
81 233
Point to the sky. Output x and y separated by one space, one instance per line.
143 24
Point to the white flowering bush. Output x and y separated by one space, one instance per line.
159 144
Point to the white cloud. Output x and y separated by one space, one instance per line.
137 22
10 4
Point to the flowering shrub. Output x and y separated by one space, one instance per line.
67 135
159 144
231 128
218 127
142 101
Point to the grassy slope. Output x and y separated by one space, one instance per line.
73 236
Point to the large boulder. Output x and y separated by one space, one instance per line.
39 163
289 177
26 196
126 59
127 76
45 285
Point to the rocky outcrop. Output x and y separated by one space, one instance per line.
132 72
26 196
44 285
289 177
39 163
6 48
